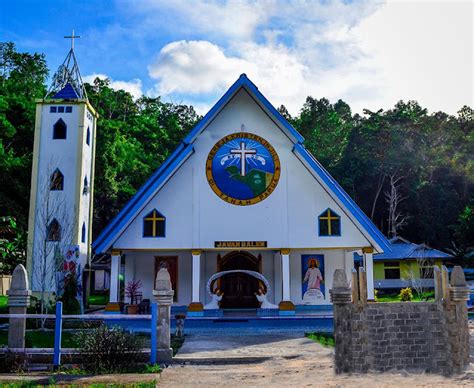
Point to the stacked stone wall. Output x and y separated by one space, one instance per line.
428 337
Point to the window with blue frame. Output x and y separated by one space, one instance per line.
329 223
54 231
83 233
60 130
57 181
88 136
154 224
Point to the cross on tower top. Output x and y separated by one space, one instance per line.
72 37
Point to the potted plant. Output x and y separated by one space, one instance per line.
131 291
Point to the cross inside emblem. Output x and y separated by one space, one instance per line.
243 152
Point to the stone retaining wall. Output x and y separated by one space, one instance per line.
417 336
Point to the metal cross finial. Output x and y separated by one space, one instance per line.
72 37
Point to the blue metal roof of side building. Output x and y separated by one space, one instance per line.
66 93
403 249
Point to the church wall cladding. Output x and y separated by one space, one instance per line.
431 337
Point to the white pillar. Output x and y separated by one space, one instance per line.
196 276
348 263
285 270
286 307
369 269
114 277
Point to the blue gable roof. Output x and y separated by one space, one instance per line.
66 93
185 149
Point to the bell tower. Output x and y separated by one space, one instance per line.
62 179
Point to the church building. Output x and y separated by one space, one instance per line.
241 215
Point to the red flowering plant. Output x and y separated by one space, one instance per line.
132 288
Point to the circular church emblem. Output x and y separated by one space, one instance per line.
243 168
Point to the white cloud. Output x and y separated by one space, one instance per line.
197 67
134 86
368 53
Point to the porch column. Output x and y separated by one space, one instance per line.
286 307
196 308
113 306
369 269
348 263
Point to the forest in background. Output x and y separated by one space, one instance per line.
411 171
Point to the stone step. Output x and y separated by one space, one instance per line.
219 360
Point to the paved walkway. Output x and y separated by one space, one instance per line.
277 361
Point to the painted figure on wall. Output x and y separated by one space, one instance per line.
313 281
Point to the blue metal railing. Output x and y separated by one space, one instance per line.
59 317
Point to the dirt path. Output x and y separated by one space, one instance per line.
280 361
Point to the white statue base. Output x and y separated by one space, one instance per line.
312 297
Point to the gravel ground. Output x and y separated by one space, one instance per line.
281 361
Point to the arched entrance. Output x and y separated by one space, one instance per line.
239 288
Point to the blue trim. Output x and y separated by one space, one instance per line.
58 326
340 224
153 328
347 201
102 243
243 81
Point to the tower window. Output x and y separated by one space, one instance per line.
54 231
88 136
86 186
59 130
60 109
57 181
154 224
68 109
83 233
53 109
329 223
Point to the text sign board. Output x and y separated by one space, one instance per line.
240 244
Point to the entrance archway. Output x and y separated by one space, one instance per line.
239 288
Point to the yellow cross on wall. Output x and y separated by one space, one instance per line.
154 220
329 218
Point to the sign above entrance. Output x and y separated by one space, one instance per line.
240 244
243 169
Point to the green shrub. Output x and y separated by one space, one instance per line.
108 350
406 294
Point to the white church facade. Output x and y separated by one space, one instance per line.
240 196
241 214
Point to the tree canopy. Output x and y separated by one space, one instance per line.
428 155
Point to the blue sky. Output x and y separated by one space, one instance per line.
369 53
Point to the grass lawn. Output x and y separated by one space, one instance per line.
3 301
98 300
42 339
325 339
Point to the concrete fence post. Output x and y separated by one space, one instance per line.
459 338
18 301
354 286
163 295
341 298
362 285
445 284
438 286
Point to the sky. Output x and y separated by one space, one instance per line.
370 54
